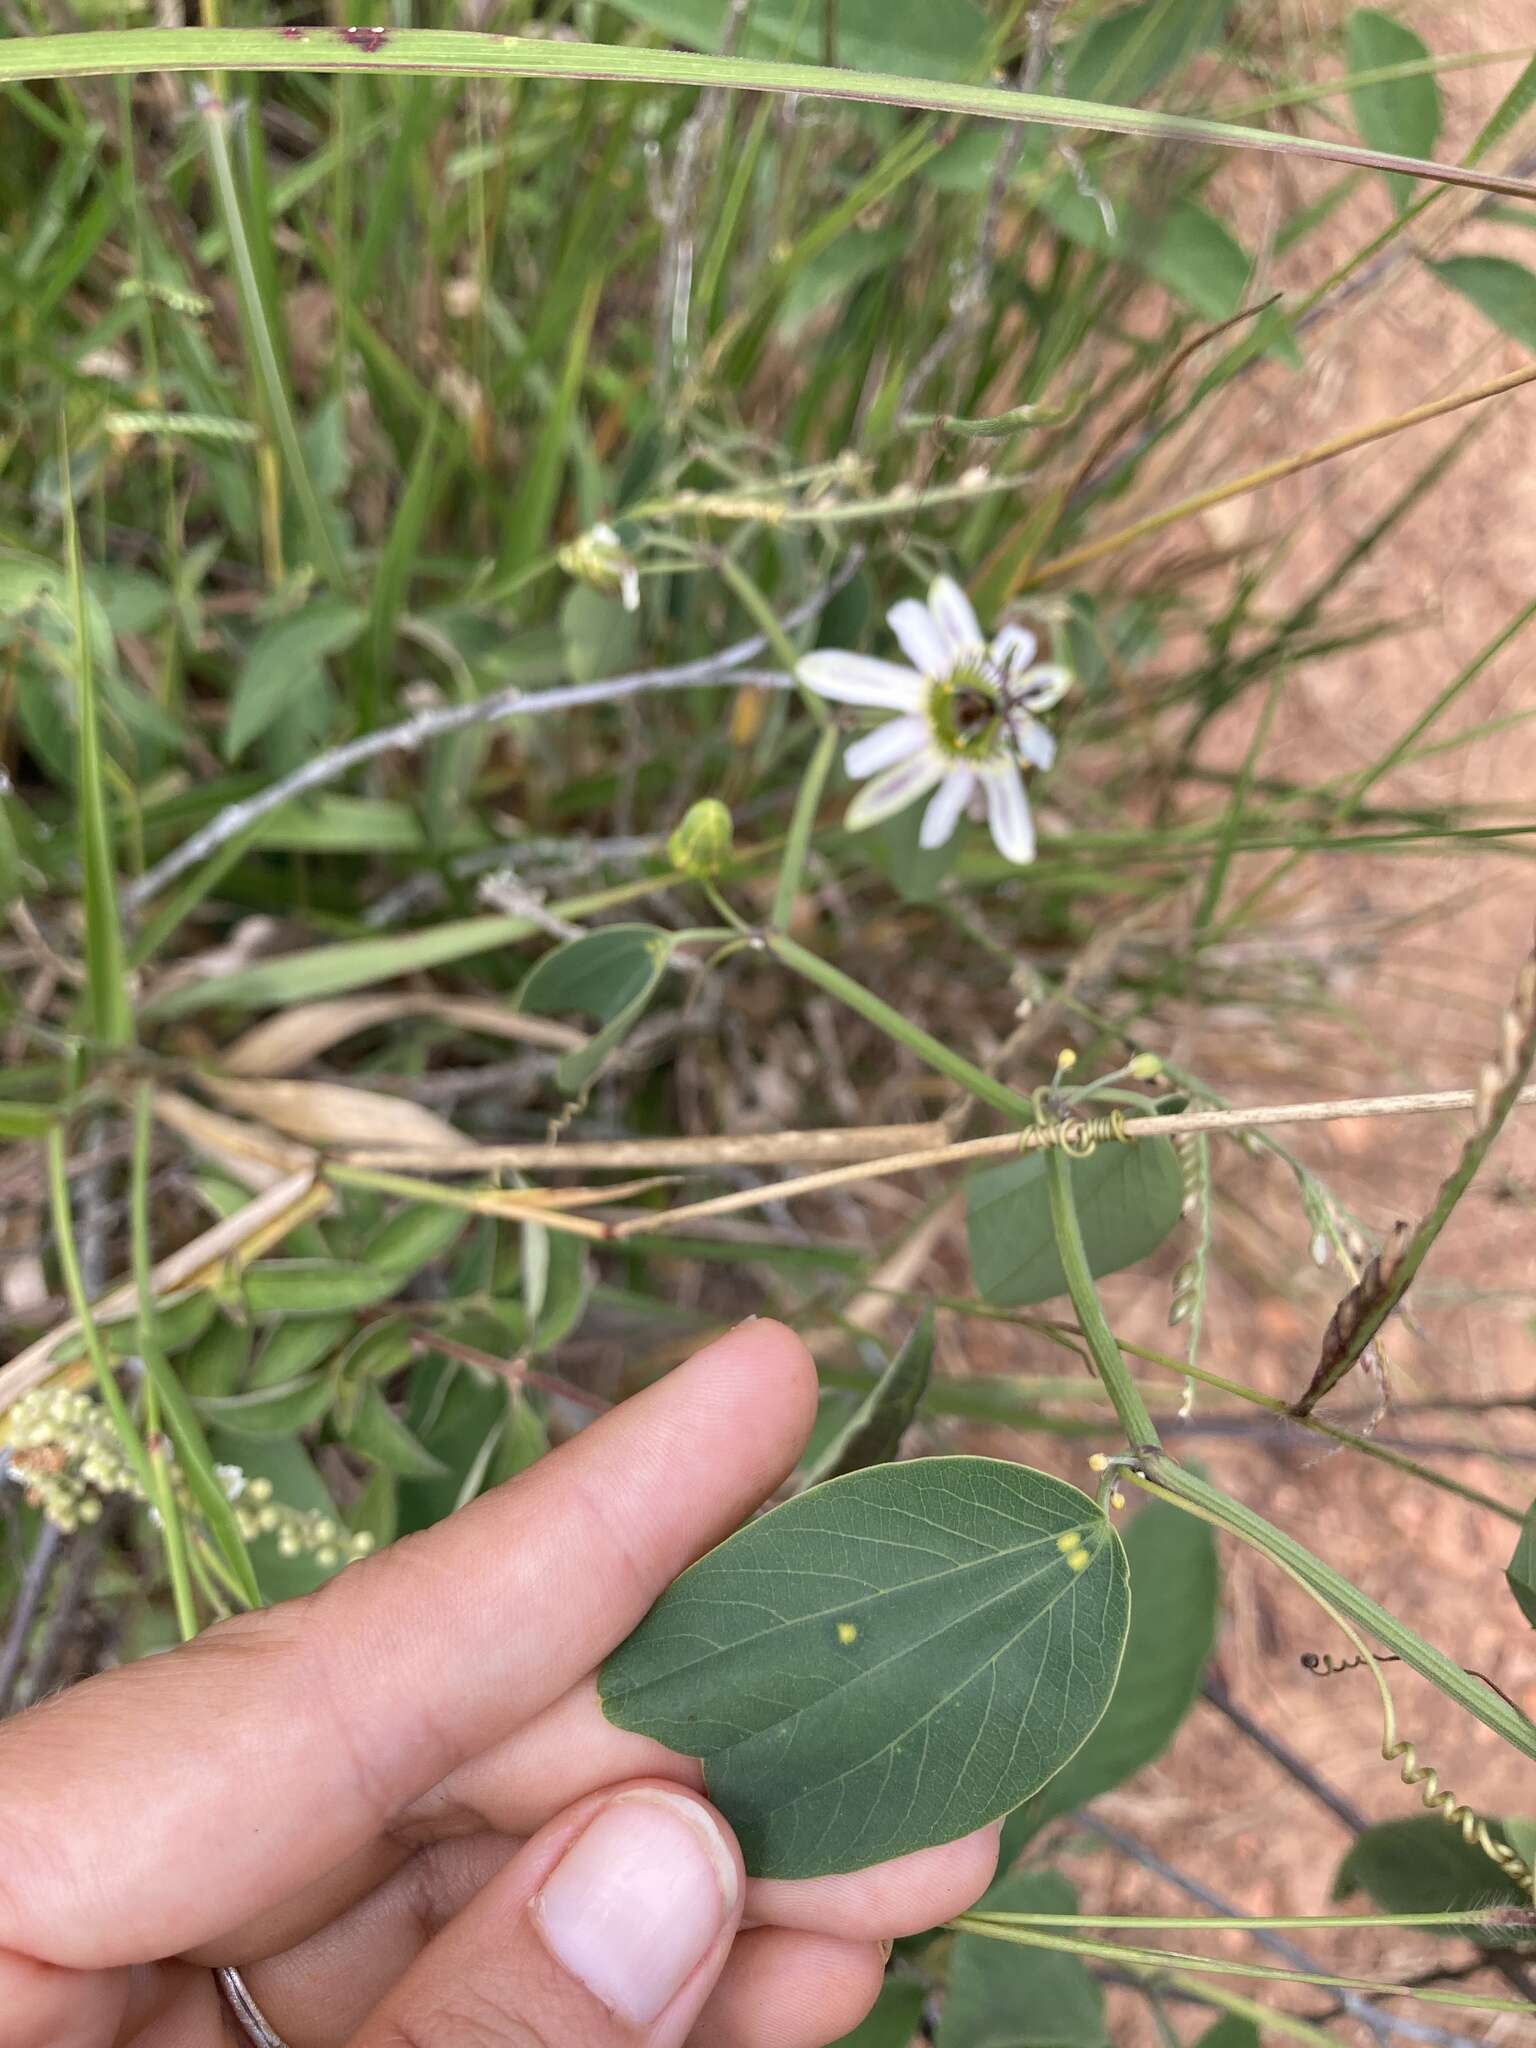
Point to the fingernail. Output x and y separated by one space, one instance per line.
638 1901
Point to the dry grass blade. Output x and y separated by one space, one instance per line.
1272 472
1390 1274
328 1113
760 1148
255 1157
294 1037
242 1237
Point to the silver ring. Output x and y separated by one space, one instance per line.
246 2010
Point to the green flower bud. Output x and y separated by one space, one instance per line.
701 845
1146 1066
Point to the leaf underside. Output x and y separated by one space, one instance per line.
887 1661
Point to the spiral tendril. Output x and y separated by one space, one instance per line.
1425 1778
1474 1829
1076 1136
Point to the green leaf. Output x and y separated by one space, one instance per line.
271 1412
838 270
294 1348
567 1285
873 1433
284 665
1398 115
1197 259
1231 2031
1002 1995
375 1511
912 37
377 1431
1126 55
1128 1199
216 1363
600 637
414 1238
1423 1866
1174 1604
460 1414
610 974
895 2020
887 1661
599 975
1521 1569
312 1287
1504 291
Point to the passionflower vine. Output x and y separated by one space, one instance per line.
967 719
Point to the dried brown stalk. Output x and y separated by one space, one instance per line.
1390 1274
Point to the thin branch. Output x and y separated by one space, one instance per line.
1388 1276
413 733
757 1148
29 1599
1002 1143
1272 472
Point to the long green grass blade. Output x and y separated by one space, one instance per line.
453 53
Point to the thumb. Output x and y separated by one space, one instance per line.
607 1930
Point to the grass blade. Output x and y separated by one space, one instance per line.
452 53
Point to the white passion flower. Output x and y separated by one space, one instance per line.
966 719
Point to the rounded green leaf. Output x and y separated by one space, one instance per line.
1420 1865
600 974
887 1661
1128 1198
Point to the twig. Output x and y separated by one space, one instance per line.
1387 1278
1272 472
758 1148
29 1598
413 733
1001 1143
82 1567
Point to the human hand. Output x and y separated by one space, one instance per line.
396 1806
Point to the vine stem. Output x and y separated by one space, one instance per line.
1160 1475
1140 1430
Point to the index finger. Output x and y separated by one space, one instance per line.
152 1808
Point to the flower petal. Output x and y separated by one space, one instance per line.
1032 740
887 744
894 790
920 638
860 679
1013 649
953 616
1013 830
945 807
1044 685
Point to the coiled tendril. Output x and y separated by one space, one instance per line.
1437 1798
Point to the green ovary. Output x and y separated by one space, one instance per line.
964 714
